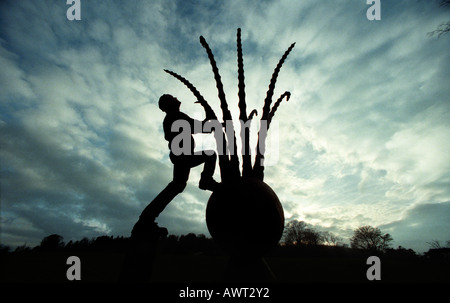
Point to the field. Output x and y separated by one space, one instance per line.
104 266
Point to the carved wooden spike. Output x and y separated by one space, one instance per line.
223 102
245 131
275 106
210 114
273 81
241 79
231 137
253 113
258 167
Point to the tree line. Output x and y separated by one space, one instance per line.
298 237
300 233
365 239
184 244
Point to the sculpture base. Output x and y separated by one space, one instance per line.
245 218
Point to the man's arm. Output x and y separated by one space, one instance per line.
196 125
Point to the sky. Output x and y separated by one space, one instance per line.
364 139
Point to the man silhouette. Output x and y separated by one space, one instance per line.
183 159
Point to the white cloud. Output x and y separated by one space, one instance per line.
12 77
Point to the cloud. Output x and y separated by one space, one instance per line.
421 225
11 76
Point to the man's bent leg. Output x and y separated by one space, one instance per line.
206 181
162 200
148 216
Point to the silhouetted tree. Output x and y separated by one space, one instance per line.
23 248
312 237
82 244
370 238
188 242
171 243
331 239
52 242
69 245
401 252
293 232
438 254
4 249
102 241
444 27
300 233
435 244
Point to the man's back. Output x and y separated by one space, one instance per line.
170 134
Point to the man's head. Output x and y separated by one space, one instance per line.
168 103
